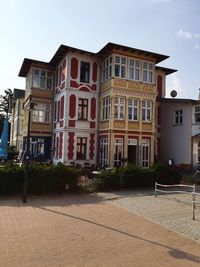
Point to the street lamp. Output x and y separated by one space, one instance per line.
27 152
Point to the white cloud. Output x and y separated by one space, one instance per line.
187 35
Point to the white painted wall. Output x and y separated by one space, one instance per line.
176 140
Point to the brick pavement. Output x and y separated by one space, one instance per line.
173 211
86 231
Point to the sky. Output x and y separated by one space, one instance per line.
36 28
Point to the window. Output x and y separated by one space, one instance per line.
81 148
107 69
197 114
145 154
146 110
42 113
133 109
104 152
147 72
106 108
118 152
119 107
134 69
82 109
85 72
42 79
178 116
120 67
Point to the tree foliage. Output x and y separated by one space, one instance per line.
5 102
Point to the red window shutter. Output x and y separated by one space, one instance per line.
159 85
74 68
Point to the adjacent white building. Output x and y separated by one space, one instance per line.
180 131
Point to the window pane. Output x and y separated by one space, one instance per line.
117 69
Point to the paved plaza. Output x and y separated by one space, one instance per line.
90 230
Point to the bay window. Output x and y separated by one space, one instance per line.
82 109
118 154
119 107
120 67
106 108
147 72
104 152
133 109
146 110
107 69
42 79
134 69
42 113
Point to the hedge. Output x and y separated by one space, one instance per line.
41 178
133 177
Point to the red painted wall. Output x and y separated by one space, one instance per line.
159 85
62 107
91 146
63 70
74 68
70 146
94 74
72 106
93 108
61 145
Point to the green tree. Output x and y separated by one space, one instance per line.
6 101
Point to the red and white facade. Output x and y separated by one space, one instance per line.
75 121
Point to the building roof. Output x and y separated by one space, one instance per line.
27 63
177 100
18 93
111 46
62 51
166 70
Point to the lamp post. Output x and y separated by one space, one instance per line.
27 153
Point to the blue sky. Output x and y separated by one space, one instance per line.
35 29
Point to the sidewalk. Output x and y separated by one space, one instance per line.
173 211
86 231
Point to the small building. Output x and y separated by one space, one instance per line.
180 131
17 119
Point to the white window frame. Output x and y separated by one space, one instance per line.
106 108
178 117
107 69
41 79
42 113
120 63
119 107
104 152
147 72
134 69
145 154
146 110
118 146
133 108
197 114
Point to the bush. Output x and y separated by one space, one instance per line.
41 178
133 177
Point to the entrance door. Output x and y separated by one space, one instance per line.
132 154
132 151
